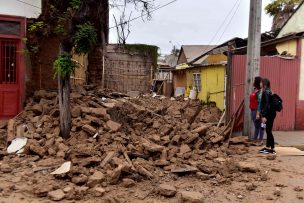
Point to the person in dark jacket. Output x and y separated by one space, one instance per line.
255 111
268 115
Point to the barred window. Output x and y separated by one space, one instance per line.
197 81
8 69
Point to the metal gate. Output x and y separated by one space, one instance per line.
9 86
283 75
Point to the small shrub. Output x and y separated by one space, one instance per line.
64 65
75 4
37 25
85 38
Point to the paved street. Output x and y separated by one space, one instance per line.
289 138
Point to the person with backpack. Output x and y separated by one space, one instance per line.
254 104
268 114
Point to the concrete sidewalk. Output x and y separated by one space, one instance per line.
288 138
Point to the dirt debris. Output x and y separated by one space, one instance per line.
123 140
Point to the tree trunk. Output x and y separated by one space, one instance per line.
64 105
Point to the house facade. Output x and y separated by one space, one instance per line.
180 75
295 25
13 70
206 73
208 79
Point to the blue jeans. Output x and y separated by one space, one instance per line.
258 130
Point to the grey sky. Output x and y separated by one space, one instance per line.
191 22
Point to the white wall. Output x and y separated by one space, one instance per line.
17 8
295 24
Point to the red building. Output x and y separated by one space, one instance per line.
12 65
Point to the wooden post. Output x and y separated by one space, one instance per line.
253 59
228 83
103 70
64 105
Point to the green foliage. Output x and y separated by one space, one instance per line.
36 26
85 38
278 6
75 4
34 49
144 49
64 65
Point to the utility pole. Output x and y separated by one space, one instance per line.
253 59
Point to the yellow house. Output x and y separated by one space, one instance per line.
203 68
209 80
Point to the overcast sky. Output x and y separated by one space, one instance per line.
27 8
192 22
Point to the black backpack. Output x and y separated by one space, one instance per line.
277 103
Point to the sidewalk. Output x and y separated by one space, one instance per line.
289 138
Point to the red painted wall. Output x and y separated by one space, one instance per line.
283 75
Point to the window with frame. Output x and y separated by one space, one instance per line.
9 28
197 81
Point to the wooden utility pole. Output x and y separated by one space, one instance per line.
253 59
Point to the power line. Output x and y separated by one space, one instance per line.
236 5
225 29
153 10
28 4
223 23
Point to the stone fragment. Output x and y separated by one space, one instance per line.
191 138
37 109
80 180
298 189
114 126
76 112
3 124
184 149
277 192
89 129
67 189
248 167
271 156
167 190
201 130
56 195
192 197
251 187
37 149
95 179
42 190
202 176
99 191
115 175
6 168
128 182
10 131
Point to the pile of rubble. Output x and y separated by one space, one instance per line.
118 139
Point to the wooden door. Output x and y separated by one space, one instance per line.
9 83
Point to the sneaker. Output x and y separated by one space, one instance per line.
264 151
272 151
